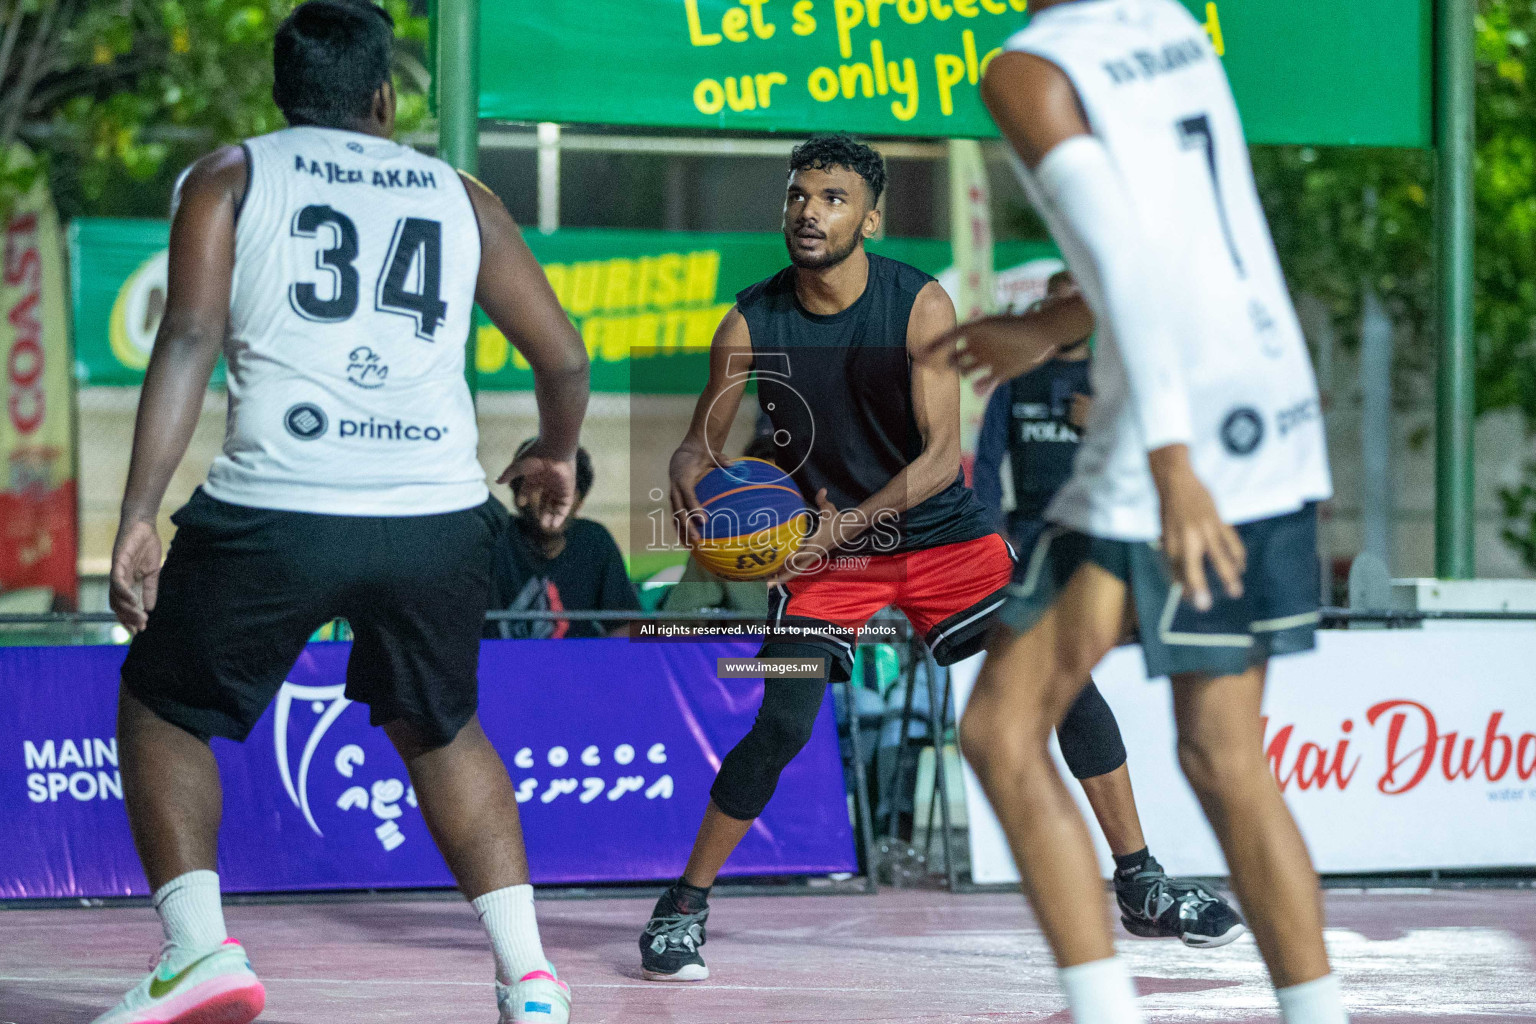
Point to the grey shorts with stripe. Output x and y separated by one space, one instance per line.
1277 614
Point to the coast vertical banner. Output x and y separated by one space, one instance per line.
38 529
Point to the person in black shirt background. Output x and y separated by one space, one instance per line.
1037 421
577 567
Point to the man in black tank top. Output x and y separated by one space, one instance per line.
838 388
872 438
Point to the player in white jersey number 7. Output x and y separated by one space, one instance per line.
337 271
1204 454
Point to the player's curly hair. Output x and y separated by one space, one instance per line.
841 150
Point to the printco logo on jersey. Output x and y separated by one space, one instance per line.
307 421
1242 431
1409 746
70 769
383 430
307 714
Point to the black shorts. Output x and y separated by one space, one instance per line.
243 589
1277 614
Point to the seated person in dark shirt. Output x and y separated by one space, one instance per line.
575 568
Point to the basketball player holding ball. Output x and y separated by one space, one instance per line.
870 434
872 439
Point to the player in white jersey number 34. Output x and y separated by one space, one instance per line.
1204 451
337 271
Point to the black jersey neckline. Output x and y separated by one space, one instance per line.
791 277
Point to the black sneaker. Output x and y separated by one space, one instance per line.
1153 906
669 946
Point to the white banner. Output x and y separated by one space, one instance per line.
1396 750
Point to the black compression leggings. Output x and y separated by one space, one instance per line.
1089 735
750 772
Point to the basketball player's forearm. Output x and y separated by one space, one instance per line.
562 398
1058 322
169 406
923 478
730 356
1170 467
712 418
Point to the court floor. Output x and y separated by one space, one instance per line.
902 956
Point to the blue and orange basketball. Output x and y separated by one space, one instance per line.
755 518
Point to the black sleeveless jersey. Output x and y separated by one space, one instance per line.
1041 439
838 390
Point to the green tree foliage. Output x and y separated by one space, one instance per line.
118 95
1347 218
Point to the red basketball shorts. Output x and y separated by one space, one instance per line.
949 594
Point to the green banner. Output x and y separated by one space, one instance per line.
647 302
117 294
1317 72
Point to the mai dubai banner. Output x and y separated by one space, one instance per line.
1310 72
38 533
611 745
647 302
1397 750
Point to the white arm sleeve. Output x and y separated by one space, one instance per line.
1096 227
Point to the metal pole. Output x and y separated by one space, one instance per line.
861 809
458 107
549 178
890 791
1456 400
938 729
1377 494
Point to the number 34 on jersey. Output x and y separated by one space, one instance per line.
409 282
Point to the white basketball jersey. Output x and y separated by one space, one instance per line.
1156 96
355 268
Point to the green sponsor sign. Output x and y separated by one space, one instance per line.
1308 71
647 302
117 294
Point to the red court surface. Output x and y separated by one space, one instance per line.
1405 955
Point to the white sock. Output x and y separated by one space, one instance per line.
508 918
1100 992
190 913
1318 1001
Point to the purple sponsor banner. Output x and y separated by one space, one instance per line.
611 745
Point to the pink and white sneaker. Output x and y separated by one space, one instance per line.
215 988
538 997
